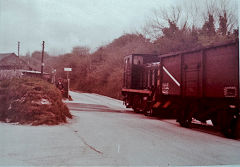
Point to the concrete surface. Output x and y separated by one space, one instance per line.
103 132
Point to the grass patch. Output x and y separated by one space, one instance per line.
31 101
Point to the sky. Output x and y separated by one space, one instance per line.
63 24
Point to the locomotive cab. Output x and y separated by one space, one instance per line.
134 70
136 80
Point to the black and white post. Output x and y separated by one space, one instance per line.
68 80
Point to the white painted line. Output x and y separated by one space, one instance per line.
118 146
170 75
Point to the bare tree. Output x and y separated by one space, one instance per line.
221 10
228 15
194 15
163 18
81 50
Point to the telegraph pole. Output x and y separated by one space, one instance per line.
18 48
18 60
42 59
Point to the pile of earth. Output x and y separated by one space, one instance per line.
31 101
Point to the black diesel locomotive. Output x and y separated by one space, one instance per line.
201 84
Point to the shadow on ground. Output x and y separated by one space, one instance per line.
93 107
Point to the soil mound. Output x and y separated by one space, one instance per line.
31 101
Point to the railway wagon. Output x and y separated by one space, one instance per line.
201 84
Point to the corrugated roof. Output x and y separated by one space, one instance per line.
3 55
11 59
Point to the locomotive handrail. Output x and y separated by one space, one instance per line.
137 91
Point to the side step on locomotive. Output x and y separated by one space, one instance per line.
201 84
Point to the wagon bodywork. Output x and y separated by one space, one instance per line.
200 84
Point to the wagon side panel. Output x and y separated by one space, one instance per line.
221 72
192 74
171 75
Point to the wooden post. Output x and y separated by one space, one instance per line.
42 59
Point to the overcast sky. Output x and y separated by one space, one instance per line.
63 24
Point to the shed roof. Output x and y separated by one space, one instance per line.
12 60
3 55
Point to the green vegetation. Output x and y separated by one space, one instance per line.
176 28
31 101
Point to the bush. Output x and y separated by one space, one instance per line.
32 101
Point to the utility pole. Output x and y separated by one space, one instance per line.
42 59
17 66
18 48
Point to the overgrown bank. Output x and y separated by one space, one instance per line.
31 101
